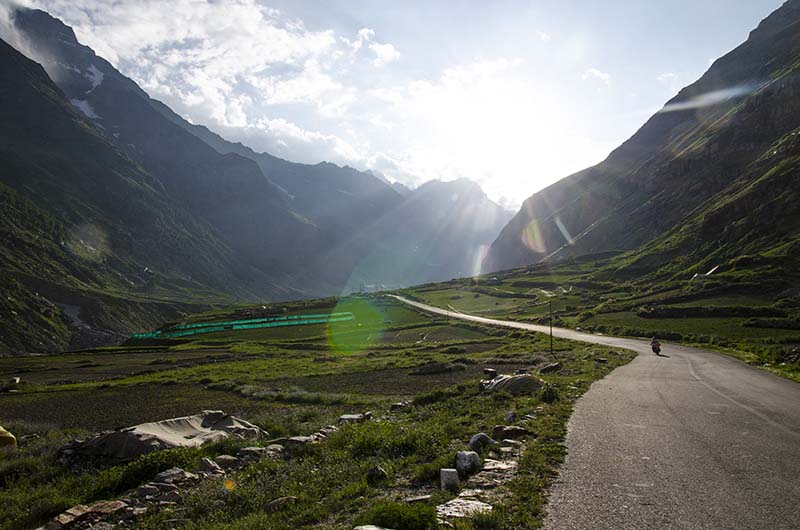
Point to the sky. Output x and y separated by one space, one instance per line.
514 95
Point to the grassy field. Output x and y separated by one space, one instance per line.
738 311
293 381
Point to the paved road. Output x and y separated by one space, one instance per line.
691 440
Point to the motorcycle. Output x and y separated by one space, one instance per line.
656 348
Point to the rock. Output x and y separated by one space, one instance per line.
71 514
163 486
467 463
146 490
395 407
274 448
279 503
355 418
460 508
514 384
511 417
174 475
602 360
511 443
418 498
170 496
252 452
297 441
449 479
480 441
376 474
509 431
370 527
490 372
209 466
549 368
227 461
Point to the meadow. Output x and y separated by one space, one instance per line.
293 381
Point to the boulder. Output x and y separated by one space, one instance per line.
370 527
449 479
252 452
480 442
490 372
461 508
7 440
128 444
514 384
227 461
467 463
209 466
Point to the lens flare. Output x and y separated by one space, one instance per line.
532 237
357 335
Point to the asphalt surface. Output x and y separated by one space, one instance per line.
689 440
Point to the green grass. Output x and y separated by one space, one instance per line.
292 385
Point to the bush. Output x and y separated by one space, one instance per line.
401 516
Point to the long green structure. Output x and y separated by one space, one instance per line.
185 330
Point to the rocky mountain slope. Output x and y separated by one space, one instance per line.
710 177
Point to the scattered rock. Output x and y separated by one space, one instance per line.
511 443
274 448
514 384
449 479
602 360
298 441
480 441
209 466
370 527
146 490
418 498
395 407
227 461
460 508
467 463
170 496
376 474
490 372
252 452
174 475
511 417
279 503
550 368
355 418
510 431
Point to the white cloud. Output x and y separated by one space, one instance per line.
594 73
543 36
384 53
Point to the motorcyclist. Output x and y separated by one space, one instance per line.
656 346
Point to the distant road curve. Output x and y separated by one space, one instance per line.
691 440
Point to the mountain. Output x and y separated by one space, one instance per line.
89 240
228 191
118 214
713 174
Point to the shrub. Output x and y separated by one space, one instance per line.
401 516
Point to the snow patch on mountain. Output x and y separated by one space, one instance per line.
95 76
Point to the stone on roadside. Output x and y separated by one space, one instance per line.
461 508
480 441
467 463
509 431
449 479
